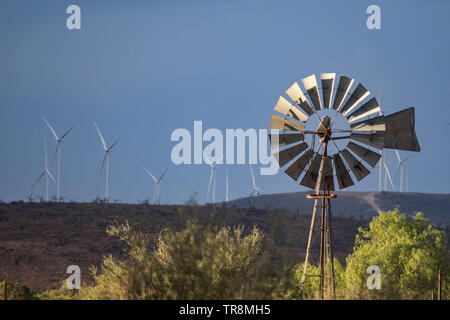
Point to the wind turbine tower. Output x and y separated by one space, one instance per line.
156 192
107 151
59 141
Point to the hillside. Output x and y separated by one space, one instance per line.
38 241
360 205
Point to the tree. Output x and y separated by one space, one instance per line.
199 262
409 253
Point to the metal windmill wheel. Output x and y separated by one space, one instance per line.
341 153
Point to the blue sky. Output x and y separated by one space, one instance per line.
141 69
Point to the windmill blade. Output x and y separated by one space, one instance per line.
51 128
327 180
327 88
358 169
310 84
400 132
38 179
288 154
296 94
112 146
389 175
65 134
283 106
370 107
342 175
279 123
162 176
50 175
310 178
367 155
358 95
397 171
284 139
294 171
373 124
375 140
343 87
101 137
148 172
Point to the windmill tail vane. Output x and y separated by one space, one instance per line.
368 133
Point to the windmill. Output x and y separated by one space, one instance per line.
107 150
45 173
255 190
212 177
59 141
156 194
366 134
400 167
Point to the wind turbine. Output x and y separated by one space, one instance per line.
255 191
107 151
59 140
156 194
400 166
46 172
212 177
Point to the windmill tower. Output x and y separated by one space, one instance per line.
341 153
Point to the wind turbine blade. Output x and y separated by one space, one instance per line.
37 180
112 146
398 156
50 127
45 150
209 185
207 159
389 176
101 137
162 176
151 175
404 160
397 171
65 134
50 175
54 152
101 168
253 177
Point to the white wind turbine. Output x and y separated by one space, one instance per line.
255 191
400 166
46 172
156 194
107 151
59 140
212 177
